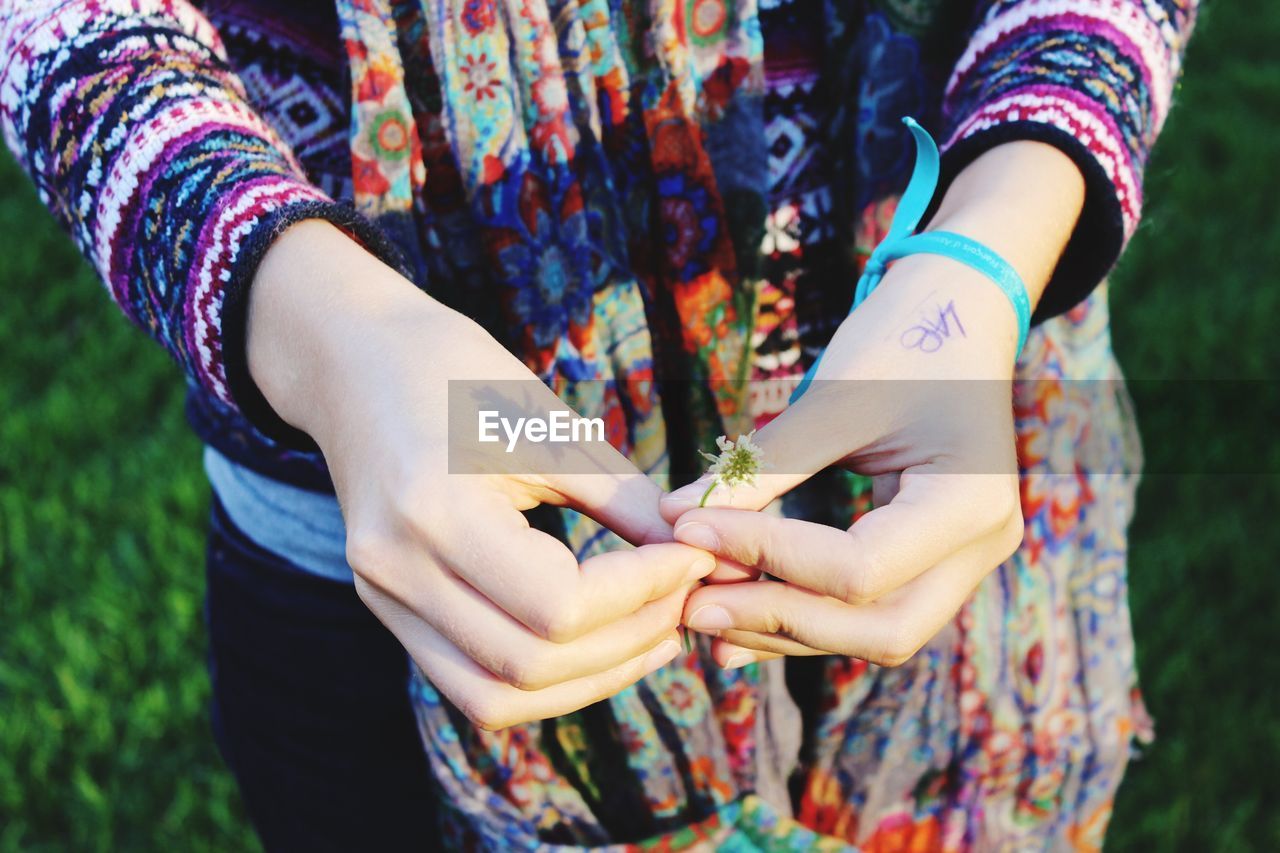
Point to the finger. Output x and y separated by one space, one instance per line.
832 421
765 646
486 700
597 480
932 516
627 504
731 656
731 571
557 463
535 578
784 615
508 649
785 619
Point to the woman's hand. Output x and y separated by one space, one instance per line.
941 455
915 391
500 616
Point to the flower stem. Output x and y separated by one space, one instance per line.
707 494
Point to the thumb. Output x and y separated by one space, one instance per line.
543 449
626 503
798 443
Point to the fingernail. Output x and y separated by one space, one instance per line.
710 617
698 535
737 660
702 566
677 504
685 497
662 655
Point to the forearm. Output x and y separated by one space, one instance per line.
933 317
1022 200
317 295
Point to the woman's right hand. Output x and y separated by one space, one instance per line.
500 616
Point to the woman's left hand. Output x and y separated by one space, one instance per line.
932 426
915 391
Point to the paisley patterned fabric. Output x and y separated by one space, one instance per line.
1012 728
646 169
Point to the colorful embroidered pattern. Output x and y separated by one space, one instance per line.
164 179
1100 70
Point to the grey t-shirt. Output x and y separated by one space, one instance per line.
300 526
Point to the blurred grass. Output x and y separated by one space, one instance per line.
104 739
1196 297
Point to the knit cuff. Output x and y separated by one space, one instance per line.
1099 235
241 390
1091 77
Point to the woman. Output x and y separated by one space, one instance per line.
642 203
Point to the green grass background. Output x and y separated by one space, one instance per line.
104 739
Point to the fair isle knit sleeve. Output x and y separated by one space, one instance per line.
137 135
1092 77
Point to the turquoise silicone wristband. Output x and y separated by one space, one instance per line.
901 242
975 255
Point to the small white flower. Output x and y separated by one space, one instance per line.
736 464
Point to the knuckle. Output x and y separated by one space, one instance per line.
562 562
559 621
862 578
1004 504
898 648
891 659
773 621
530 671
769 543
407 500
1010 537
858 581
485 712
850 585
369 553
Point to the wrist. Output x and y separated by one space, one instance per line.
1021 200
938 318
316 296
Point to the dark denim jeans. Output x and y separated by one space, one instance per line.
310 706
